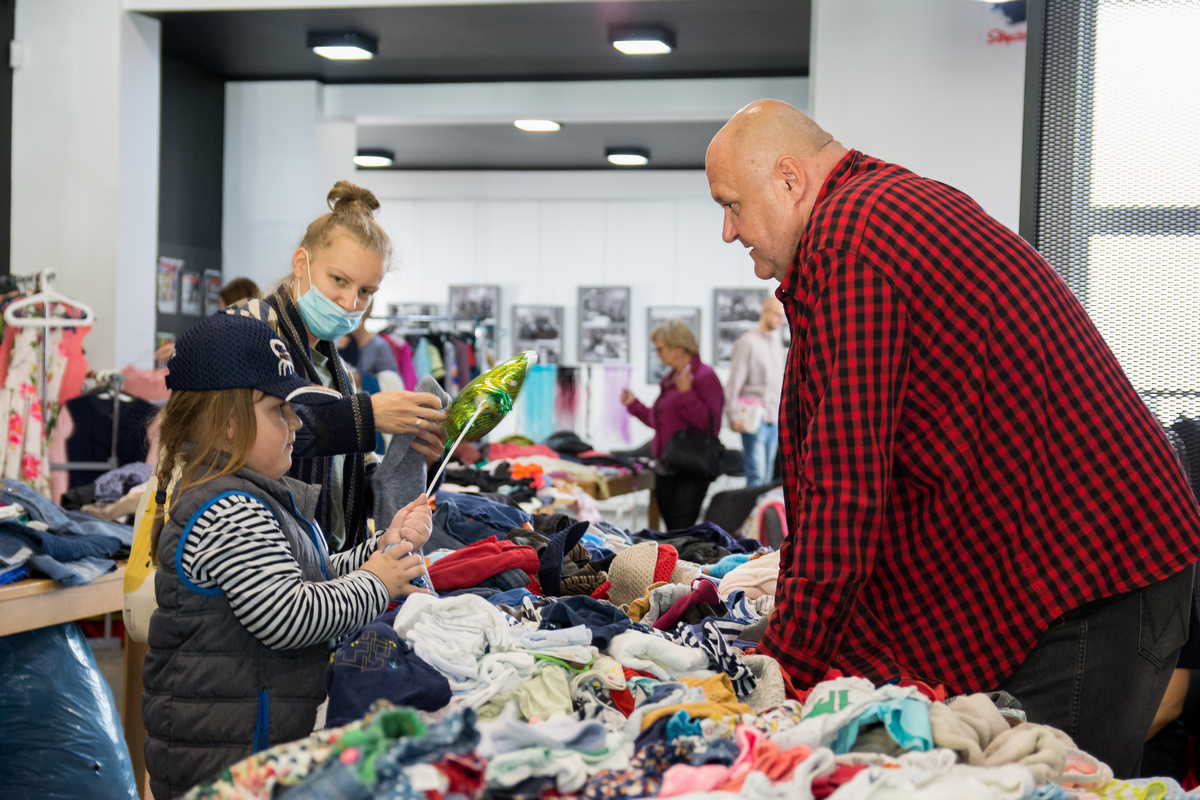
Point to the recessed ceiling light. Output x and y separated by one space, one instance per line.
343 45
642 41
628 156
374 158
537 125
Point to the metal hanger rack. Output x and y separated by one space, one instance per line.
47 297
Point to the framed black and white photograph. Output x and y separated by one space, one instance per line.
735 311
656 370
604 324
475 302
539 328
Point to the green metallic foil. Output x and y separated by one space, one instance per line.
497 389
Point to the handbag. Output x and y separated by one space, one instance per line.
749 413
694 452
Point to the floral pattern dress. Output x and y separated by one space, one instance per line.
27 424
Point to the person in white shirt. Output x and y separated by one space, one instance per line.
755 382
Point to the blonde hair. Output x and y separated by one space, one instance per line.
194 447
676 333
351 211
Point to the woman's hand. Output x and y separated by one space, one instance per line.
412 524
627 397
684 379
412 412
397 569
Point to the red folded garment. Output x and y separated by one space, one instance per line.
475 563
705 591
830 782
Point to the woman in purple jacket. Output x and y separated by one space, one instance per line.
691 397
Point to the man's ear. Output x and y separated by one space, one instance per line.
790 172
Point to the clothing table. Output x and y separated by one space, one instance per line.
38 602
627 484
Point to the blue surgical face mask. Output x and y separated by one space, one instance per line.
324 318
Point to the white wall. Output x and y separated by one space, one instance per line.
542 235
916 82
85 164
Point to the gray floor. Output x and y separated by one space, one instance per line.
110 658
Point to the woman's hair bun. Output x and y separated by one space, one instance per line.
344 195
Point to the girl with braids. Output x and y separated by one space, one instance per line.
250 601
336 270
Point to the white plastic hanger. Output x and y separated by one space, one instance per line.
47 296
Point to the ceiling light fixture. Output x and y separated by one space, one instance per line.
642 41
343 45
628 156
537 125
374 158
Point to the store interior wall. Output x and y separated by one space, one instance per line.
8 10
926 89
85 164
190 173
934 85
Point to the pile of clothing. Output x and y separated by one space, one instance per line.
565 658
39 537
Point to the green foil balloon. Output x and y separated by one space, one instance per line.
496 389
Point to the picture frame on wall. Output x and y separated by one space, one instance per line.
212 291
539 328
603 325
162 338
191 294
167 292
656 370
478 302
735 311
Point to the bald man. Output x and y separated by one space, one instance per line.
976 495
752 391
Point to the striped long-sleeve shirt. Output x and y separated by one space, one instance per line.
236 545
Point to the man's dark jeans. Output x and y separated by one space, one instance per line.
1099 673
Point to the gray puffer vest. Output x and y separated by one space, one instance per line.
213 693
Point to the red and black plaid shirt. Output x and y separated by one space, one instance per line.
965 461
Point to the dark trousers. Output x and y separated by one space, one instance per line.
680 497
1100 672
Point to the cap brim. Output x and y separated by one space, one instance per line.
313 395
295 389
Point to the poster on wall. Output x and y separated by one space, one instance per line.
735 311
161 353
539 328
168 284
656 370
475 302
604 324
212 292
191 294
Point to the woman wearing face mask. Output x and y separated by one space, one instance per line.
336 270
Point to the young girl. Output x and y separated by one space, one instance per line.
249 599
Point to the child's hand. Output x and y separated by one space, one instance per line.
412 524
396 568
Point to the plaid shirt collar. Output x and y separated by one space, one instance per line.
843 171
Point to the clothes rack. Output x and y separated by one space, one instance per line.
46 297
109 381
